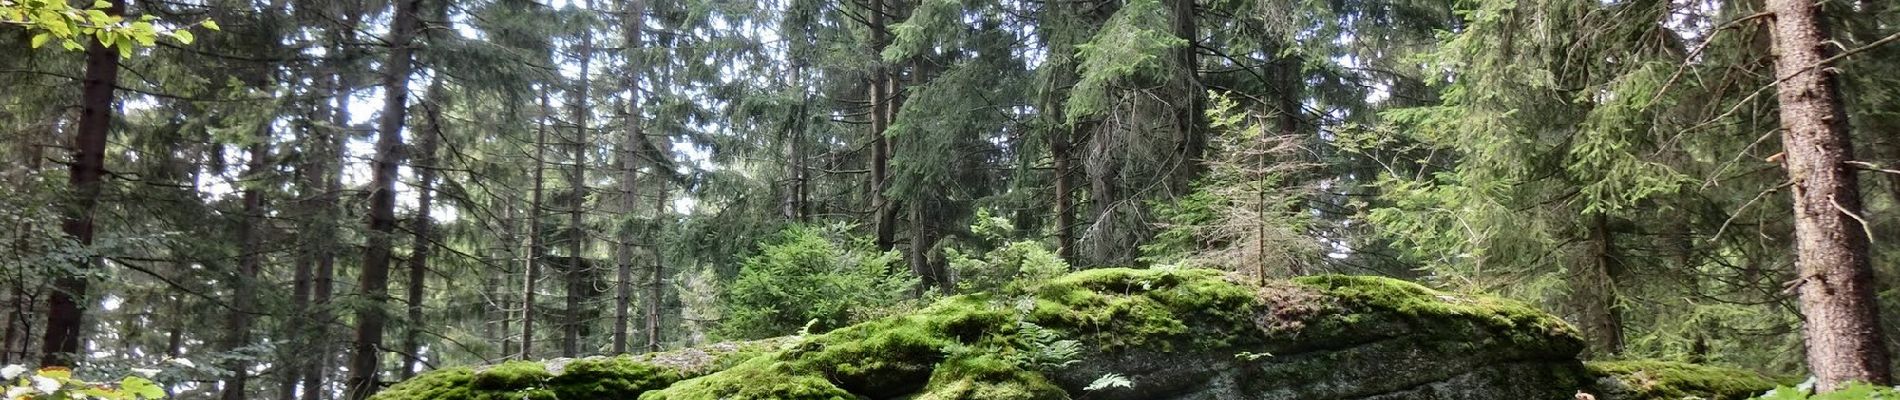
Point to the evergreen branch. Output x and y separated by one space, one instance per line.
1690 58
1738 211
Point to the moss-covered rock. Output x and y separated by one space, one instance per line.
1174 334
626 376
1648 379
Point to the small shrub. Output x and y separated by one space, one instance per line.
815 276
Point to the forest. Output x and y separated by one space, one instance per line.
318 199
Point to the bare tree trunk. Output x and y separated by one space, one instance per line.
1188 115
1603 315
656 288
532 272
884 213
425 167
1844 336
250 258
373 282
66 308
633 14
1060 33
577 233
323 281
329 176
502 314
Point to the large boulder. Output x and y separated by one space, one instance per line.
1120 334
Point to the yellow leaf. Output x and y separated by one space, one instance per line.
60 373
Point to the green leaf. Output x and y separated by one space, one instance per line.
183 36
209 24
40 39
141 387
101 4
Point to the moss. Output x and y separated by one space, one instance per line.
758 378
1374 300
986 377
592 378
615 377
1853 391
447 384
1122 308
880 359
1649 379
973 346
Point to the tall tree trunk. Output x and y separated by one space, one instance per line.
1290 84
324 244
66 307
424 230
303 271
1188 115
633 20
577 233
501 314
1844 337
656 284
1060 35
884 214
532 271
250 258
373 282
1603 312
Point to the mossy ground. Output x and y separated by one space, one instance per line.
1855 391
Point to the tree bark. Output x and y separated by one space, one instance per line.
884 214
250 258
656 289
424 228
633 14
323 280
1190 114
303 272
329 177
66 307
1844 336
532 271
500 315
373 282
1603 312
572 329
1060 34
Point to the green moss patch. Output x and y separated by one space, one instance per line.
626 376
1853 391
1374 301
1120 308
987 377
1649 379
